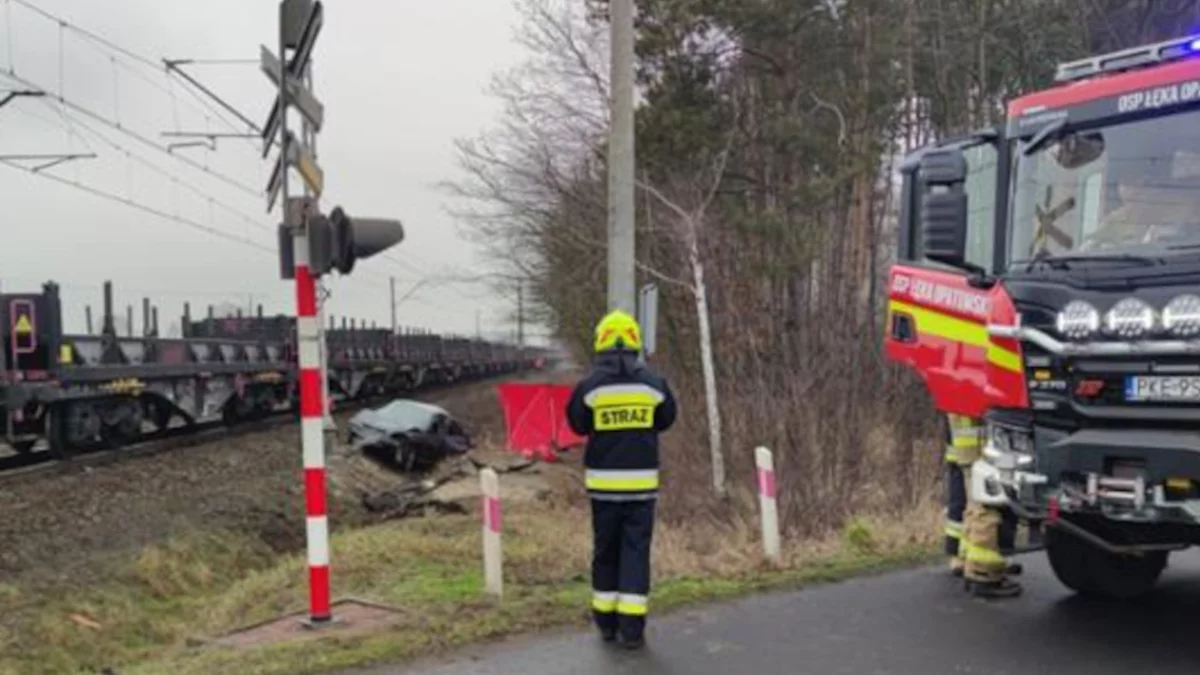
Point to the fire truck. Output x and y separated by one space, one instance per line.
1048 282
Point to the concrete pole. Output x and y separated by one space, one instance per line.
521 309
622 286
392 283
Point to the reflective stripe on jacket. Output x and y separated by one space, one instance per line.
621 407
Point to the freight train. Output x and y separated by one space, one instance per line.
64 394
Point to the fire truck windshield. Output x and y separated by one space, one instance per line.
1132 187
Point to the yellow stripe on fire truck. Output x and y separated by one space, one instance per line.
932 322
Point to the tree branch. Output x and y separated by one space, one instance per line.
665 278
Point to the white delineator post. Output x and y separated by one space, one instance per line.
766 501
312 414
492 558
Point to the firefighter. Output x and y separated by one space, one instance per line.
1158 201
621 407
956 502
976 534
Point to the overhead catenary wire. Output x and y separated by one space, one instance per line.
370 280
218 62
270 250
128 132
83 31
115 124
225 178
141 207
149 63
175 179
406 265
63 121
71 121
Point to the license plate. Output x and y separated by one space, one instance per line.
1163 388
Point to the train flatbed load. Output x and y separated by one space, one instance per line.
70 392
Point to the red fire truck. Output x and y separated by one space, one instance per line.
1048 281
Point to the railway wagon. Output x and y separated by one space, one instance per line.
65 393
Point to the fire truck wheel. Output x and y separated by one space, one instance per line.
1093 572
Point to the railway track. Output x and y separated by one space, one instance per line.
19 468
80 396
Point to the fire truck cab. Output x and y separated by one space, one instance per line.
1048 281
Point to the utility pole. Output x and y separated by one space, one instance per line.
393 286
622 290
478 328
521 314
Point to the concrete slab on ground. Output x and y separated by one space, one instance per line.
352 617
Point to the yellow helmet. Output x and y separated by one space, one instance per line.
618 330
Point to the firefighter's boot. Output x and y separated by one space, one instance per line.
632 643
956 567
994 590
986 573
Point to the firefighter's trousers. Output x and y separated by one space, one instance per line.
975 533
958 479
622 532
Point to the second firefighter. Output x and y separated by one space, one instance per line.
976 534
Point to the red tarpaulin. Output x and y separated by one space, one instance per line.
535 415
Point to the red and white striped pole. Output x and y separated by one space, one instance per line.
312 420
768 509
493 574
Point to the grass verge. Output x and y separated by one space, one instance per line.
146 620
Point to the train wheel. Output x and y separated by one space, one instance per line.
229 414
65 429
121 422
124 432
160 415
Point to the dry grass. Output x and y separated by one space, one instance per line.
208 584
148 616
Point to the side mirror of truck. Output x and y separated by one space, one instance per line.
943 174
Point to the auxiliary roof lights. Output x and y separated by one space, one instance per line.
1128 59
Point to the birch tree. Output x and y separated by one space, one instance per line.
689 214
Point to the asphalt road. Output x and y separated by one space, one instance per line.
910 623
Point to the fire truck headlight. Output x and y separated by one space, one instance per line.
1181 316
1009 439
1008 448
1130 318
1078 320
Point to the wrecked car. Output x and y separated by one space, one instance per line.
408 435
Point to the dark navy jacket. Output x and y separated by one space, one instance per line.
621 407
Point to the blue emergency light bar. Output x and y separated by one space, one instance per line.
1129 59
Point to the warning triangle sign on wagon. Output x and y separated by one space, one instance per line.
23 326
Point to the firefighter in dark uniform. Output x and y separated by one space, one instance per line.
621 407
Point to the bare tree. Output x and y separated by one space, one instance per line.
773 228
690 213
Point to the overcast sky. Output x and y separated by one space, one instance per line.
400 81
